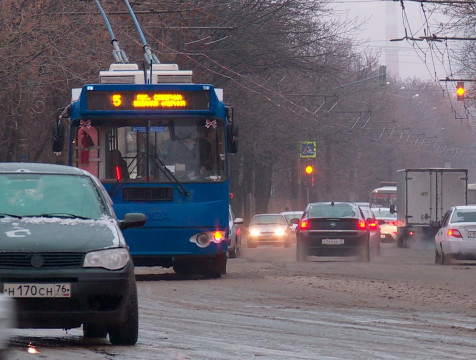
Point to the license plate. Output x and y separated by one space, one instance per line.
471 233
35 290
332 241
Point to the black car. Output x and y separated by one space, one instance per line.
63 257
333 229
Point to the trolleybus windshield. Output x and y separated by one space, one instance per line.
138 150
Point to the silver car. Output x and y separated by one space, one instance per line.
373 226
268 229
456 239
234 239
290 215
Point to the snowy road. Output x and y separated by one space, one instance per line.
399 306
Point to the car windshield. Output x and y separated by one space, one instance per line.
332 211
49 195
383 213
460 216
268 219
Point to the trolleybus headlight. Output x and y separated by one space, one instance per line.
111 259
202 239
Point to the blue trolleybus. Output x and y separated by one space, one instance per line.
160 149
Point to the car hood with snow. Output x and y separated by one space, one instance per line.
36 234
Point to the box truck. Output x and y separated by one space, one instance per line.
423 198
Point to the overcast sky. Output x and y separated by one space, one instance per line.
384 21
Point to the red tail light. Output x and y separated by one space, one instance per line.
411 233
373 226
304 224
361 225
454 233
118 173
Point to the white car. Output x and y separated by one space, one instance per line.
456 239
373 226
290 215
234 244
268 229
388 224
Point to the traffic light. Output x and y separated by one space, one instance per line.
460 91
309 174
309 169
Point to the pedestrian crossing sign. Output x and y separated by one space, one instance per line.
308 149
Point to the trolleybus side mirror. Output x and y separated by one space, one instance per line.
58 136
392 209
232 138
231 131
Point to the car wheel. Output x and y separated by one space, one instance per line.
446 259
232 253
375 249
238 248
91 330
301 251
127 332
365 253
399 241
438 259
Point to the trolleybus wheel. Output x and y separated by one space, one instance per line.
215 267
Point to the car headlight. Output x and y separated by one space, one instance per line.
111 259
254 232
279 231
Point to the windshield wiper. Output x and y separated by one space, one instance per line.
170 175
10 215
62 215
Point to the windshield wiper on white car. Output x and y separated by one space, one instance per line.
62 215
10 215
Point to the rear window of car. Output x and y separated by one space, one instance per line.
463 216
333 211
367 212
268 219
384 214
290 216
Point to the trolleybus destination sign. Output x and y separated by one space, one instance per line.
148 100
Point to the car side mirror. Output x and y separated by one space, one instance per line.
392 209
132 220
294 221
238 221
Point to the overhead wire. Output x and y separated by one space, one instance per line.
256 87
